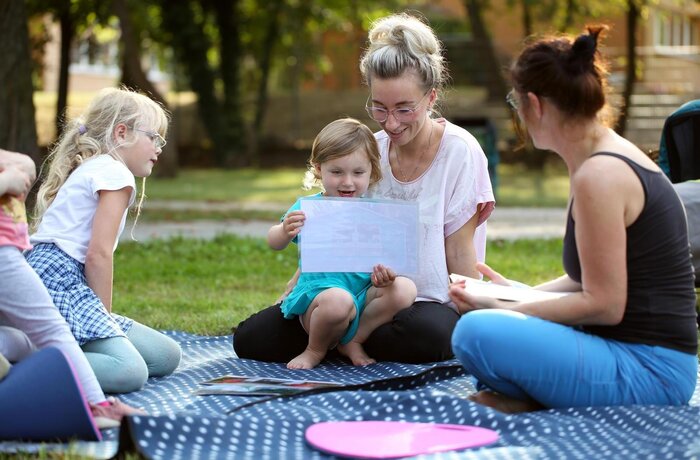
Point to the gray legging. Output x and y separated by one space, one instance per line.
123 364
26 306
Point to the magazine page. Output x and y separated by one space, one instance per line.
257 386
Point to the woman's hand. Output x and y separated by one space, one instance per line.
292 223
492 274
466 302
382 276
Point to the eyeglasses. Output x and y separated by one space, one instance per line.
512 100
156 138
402 114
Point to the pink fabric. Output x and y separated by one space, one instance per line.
389 439
13 223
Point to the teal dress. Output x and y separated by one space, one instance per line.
310 285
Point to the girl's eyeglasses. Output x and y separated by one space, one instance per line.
402 114
156 138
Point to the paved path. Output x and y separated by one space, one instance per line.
504 223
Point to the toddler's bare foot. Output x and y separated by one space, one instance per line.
356 353
307 360
503 403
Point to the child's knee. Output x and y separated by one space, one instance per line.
335 305
14 344
404 292
124 377
168 358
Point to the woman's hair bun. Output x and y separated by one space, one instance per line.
584 48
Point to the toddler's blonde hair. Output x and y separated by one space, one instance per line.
339 138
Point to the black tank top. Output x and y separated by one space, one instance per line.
660 306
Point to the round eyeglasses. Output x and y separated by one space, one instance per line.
156 138
401 114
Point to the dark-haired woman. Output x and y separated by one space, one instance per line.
626 333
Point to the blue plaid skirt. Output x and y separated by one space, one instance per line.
64 277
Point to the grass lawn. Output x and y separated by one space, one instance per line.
206 287
518 186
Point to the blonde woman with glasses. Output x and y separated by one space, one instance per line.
425 159
80 212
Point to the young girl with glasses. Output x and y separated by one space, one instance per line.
339 308
424 159
81 210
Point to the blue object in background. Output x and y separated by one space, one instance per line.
679 149
41 400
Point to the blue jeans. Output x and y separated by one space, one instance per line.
525 357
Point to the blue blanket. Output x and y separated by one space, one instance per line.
183 425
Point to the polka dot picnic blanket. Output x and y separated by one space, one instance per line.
182 425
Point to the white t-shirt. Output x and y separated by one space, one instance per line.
449 193
68 220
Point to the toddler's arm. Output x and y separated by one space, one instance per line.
280 235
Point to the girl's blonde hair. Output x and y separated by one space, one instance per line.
339 138
400 43
92 134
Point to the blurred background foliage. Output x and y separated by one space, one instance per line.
250 82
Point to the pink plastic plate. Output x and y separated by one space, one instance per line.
377 439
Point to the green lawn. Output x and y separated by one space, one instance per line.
206 287
518 186
228 185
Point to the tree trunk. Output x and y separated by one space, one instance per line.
631 67
17 125
571 8
228 22
527 18
191 46
497 87
268 47
134 77
67 33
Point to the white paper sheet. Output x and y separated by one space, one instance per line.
480 288
355 234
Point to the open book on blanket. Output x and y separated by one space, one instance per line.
481 288
258 386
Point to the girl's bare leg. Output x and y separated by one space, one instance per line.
326 320
381 306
